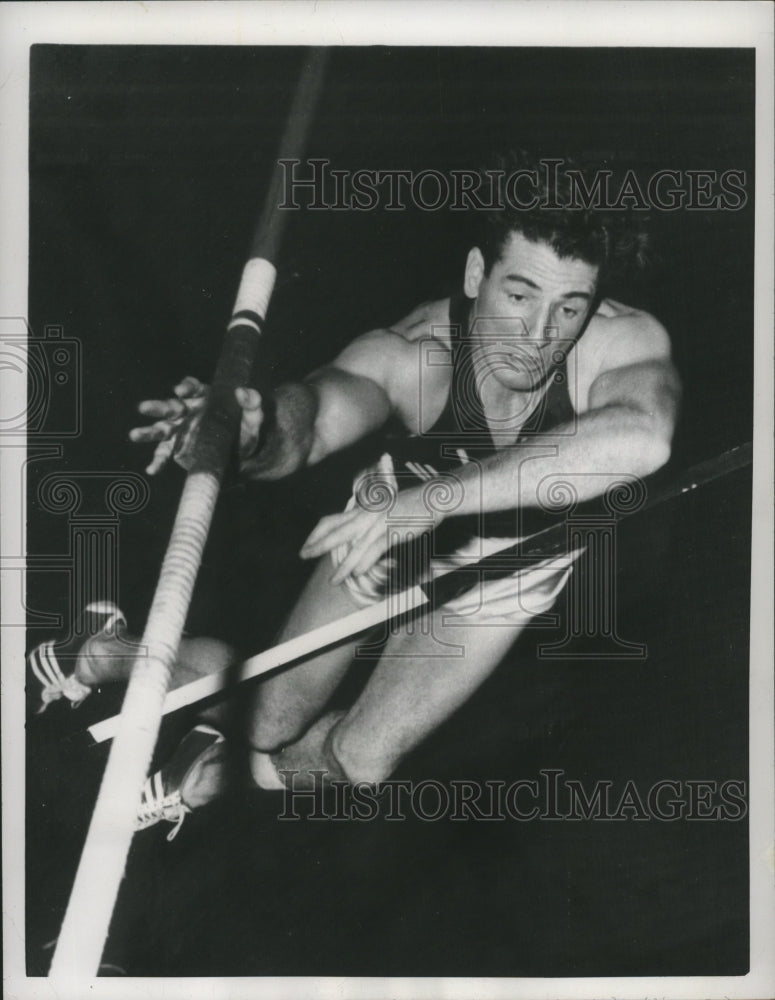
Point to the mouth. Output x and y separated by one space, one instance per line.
527 365
533 362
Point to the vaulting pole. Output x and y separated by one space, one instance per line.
103 860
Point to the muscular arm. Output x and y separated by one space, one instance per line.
626 429
331 409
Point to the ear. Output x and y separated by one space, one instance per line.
474 272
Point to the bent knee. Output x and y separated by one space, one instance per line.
360 766
270 733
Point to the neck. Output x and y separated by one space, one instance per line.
505 409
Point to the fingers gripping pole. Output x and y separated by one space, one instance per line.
85 927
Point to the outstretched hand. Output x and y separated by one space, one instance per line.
176 421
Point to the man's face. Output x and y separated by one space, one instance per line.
531 304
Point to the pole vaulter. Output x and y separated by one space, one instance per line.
551 541
103 860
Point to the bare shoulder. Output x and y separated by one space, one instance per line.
386 355
429 319
618 338
619 335
614 319
397 359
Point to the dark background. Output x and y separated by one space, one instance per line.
147 170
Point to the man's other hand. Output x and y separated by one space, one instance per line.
363 536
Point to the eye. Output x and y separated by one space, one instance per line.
516 297
569 312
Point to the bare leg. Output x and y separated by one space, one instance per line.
105 659
286 703
412 691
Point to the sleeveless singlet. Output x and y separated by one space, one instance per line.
462 434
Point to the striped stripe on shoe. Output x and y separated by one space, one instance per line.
99 617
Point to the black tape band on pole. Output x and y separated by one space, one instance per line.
220 420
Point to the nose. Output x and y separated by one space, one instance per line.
539 324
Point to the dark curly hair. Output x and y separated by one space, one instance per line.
552 211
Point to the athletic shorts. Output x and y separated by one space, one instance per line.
510 600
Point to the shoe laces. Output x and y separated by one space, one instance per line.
155 806
54 684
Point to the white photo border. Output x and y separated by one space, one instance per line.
400 23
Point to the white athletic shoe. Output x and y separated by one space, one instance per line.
196 774
49 658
